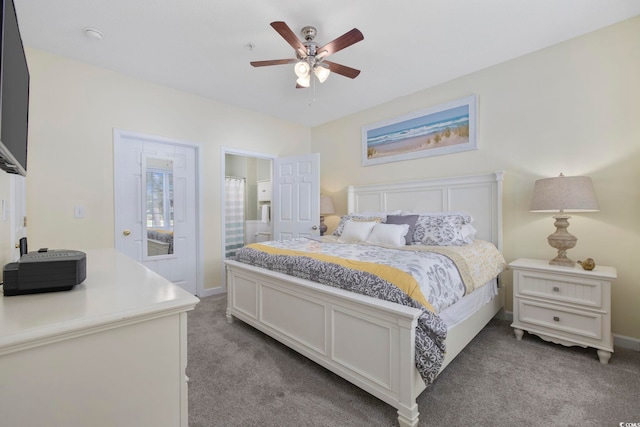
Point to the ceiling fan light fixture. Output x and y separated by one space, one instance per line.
302 69
310 56
321 73
304 81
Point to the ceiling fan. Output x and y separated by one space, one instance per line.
312 58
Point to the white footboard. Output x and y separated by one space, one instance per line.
368 342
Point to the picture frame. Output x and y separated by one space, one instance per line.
447 128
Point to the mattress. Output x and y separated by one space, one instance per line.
469 304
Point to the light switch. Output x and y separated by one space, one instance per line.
78 211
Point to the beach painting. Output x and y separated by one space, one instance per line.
443 129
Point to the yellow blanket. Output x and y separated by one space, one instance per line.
397 277
477 263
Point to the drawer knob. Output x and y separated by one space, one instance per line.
556 319
556 289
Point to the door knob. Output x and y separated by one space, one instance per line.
315 227
126 232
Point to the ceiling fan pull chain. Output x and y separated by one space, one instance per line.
313 90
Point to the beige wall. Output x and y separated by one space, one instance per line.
571 108
74 108
6 252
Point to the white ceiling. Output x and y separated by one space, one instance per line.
200 46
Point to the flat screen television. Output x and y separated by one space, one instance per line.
14 94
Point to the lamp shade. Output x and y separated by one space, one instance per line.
326 205
321 73
302 69
564 194
304 81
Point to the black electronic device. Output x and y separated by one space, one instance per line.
45 271
23 246
14 93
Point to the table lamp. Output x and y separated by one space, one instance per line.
563 194
326 208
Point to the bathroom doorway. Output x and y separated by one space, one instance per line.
247 199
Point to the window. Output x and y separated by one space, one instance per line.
159 199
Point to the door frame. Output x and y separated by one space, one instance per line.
119 134
237 152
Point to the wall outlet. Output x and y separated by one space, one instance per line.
78 211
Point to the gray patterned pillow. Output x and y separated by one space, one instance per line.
442 229
354 217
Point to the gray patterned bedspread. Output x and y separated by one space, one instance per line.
431 331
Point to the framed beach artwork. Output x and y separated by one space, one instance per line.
443 129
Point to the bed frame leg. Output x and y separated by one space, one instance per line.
408 417
229 316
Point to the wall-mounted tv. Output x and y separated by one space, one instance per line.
14 94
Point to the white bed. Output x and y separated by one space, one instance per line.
367 341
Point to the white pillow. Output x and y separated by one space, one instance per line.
389 234
468 232
355 217
356 231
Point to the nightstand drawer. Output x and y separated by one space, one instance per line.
572 322
564 305
554 287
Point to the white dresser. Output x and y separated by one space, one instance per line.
565 305
110 352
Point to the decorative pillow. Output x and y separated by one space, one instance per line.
444 229
354 217
410 220
356 231
389 234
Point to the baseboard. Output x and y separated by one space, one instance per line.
626 342
618 340
209 292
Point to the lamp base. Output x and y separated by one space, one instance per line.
323 226
563 260
562 240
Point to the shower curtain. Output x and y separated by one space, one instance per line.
234 215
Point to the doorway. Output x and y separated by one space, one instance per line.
157 199
246 199
295 199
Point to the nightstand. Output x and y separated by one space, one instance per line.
565 305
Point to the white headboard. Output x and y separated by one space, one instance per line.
479 195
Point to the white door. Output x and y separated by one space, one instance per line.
156 205
296 197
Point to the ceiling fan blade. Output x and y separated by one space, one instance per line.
291 38
345 40
352 73
273 62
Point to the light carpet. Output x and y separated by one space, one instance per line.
241 377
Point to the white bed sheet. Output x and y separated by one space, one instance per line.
469 304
